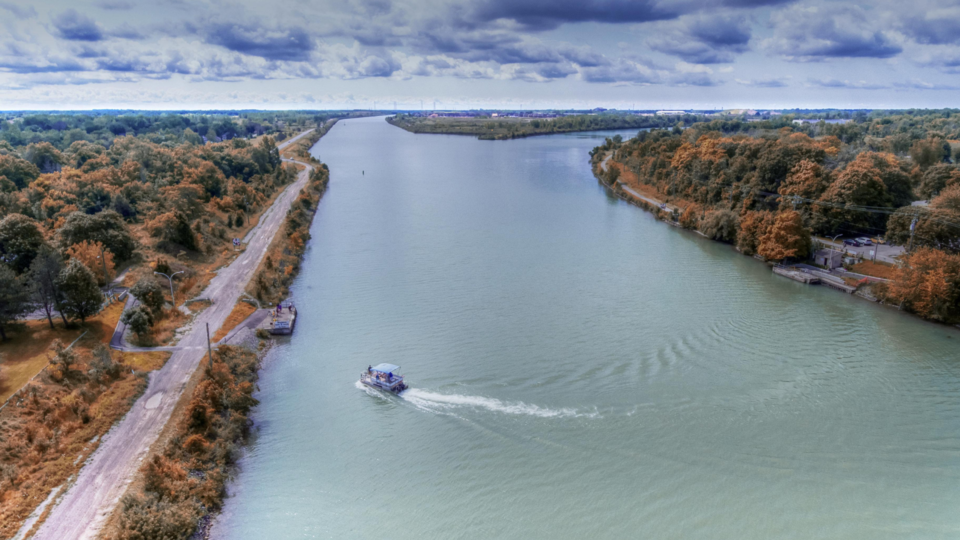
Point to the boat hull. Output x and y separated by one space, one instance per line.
395 387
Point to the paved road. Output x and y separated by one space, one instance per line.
82 510
885 253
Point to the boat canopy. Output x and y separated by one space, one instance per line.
386 368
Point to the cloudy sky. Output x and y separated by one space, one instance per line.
478 53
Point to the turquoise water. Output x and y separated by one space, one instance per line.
578 370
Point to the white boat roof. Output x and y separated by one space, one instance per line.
386 368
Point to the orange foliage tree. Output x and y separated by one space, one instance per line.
927 282
788 238
90 253
753 225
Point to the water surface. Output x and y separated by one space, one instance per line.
578 370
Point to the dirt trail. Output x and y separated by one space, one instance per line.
82 510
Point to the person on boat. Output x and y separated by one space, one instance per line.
369 369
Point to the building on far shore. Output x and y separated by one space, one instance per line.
670 113
828 258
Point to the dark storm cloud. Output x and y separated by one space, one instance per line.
837 31
701 39
936 30
76 27
549 14
290 44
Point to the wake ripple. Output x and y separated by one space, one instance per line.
434 402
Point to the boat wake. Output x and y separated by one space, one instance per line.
434 402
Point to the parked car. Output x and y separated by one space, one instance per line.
865 241
851 242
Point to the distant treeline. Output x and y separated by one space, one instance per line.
499 128
62 129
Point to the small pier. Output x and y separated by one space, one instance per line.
281 320
814 277
796 275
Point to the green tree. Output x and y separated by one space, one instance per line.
43 275
44 157
101 363
81 296
19 171
149 293
61 357
14 299
936 179
107 227
858 185
20 240
139 320
720 225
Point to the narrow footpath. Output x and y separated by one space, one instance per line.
89 500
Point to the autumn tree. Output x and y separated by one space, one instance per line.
807 180
927 282
14 299
753 225
81 296
20 240
95 257
788 238
43 275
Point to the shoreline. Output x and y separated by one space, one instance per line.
626 194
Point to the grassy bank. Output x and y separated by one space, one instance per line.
50 427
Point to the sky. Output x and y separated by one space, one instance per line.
461 54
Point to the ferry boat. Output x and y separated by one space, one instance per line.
385 377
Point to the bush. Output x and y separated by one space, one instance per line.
139 319
720 225
149 293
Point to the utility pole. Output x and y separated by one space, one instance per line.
913 228
170 279
209 348
103 259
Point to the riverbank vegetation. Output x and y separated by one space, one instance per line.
282 261
186 481
766 187
54 422
488 127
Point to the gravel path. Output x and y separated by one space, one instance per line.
82 510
